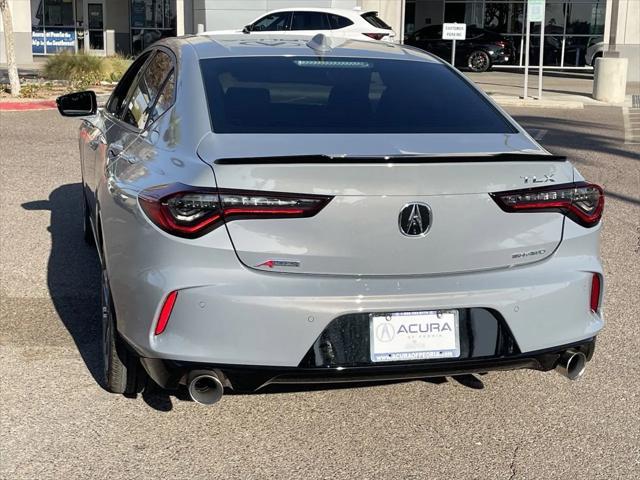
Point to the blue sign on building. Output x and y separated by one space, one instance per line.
52 41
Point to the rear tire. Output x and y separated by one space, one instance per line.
121 367
479 61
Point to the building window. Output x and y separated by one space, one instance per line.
151 20
52 26
573 28
464 12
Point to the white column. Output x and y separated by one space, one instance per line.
180 17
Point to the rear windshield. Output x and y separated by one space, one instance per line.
375 20
343 95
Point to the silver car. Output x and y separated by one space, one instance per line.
304 210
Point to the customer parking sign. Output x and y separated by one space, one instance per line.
535 9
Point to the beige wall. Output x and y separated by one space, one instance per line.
21 13
627 34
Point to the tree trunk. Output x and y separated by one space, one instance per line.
7 23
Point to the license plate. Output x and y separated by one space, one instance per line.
414 335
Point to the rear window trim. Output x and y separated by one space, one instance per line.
408 159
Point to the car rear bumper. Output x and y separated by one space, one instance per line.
246 317
171 374
502 59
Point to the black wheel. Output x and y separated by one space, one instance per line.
121 367
479 61
86 226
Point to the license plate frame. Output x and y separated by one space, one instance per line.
414 336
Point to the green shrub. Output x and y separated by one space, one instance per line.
29 90
113 68
80 69
85 70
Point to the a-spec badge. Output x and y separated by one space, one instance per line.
278 263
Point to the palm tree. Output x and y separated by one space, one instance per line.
7 22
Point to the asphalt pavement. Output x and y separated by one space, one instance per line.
57 422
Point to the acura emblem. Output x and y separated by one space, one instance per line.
415 219
385 332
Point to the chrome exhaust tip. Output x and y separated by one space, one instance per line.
205 387
572 364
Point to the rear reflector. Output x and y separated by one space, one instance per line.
165 312
595 292
582 202
191 212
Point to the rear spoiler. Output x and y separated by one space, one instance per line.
328 159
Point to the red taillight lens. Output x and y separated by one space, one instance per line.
376 36
581 202
165 312
191 212
595 292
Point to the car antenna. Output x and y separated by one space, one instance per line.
320 43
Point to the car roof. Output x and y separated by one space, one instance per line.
345 12
243 45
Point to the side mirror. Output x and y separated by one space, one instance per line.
246 29
78 104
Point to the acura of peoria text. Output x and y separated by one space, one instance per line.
303 210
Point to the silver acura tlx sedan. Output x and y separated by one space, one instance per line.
305 210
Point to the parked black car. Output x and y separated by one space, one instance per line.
479 52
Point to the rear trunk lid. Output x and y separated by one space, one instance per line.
360 231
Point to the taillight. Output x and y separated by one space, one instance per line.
165 312
581 202
376 36
595 292
191 212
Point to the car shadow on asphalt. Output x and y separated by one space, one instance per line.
73 279
73 273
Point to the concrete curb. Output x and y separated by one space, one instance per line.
21 106
24 105
571 102
507 101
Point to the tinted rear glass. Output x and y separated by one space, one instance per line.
343 95
337 21
310 21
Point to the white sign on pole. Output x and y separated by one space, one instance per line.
454 31
535 13
541 59
535 10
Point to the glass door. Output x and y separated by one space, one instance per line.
94 27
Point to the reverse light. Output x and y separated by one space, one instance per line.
376 36
595 293
191 212
165 312
582 202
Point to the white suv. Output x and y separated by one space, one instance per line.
355 23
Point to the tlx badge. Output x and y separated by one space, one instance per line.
544 179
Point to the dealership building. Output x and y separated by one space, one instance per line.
574 29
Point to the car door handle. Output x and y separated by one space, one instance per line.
115 150
96 142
